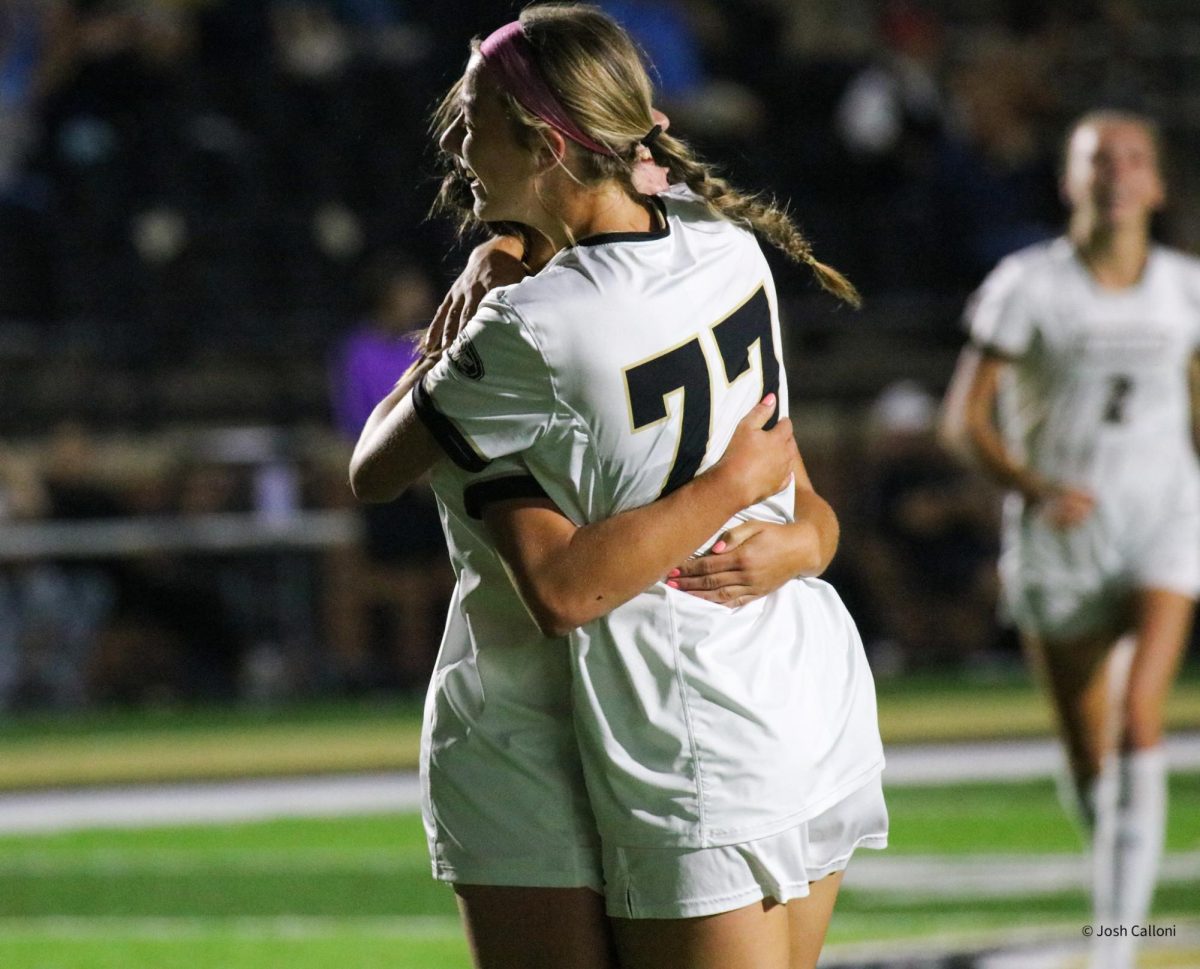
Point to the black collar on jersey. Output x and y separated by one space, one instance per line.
603 238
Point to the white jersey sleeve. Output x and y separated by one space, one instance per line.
491 393
998 317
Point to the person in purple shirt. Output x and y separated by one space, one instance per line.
402 576
399 299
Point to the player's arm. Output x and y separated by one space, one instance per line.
968 427
394 448
755 558
569 575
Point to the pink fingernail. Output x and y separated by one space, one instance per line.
719 547
673 573
673 584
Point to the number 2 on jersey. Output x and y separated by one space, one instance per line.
685 369
1120 386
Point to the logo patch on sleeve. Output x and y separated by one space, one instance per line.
465 359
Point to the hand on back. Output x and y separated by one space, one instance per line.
494 263
758 463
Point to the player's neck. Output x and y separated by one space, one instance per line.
1115 256
577 214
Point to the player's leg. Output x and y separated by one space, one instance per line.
1078 678
762 935
506 812
1164 621
808 920
1164 624
755 936
536 928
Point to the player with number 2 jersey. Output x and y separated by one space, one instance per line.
1077 394
1099 396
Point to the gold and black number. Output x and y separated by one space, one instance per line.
682 369
685 369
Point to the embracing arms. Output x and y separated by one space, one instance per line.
569 575
757 557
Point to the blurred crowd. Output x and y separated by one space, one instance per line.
209 203
187 172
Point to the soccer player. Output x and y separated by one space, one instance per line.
505 807
732 756
1074 394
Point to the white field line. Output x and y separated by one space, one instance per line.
174 928
918 878
208 803
928 948
998 760
331 796
921 878
38 863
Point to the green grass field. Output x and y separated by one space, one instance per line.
111 747
356 891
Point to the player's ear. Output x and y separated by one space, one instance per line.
552 151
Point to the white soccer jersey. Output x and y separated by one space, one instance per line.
1099 394
618 373
503 789
1097 397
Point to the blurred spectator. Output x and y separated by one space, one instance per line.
1121 57
402 581
21 25
896 100
997 182
172 635
110 627
25 273
705 106
928 552
891 124
52 613
120 84
397 301
823 29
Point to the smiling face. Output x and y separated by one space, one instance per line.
482 138
1112 173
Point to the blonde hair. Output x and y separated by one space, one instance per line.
596 72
